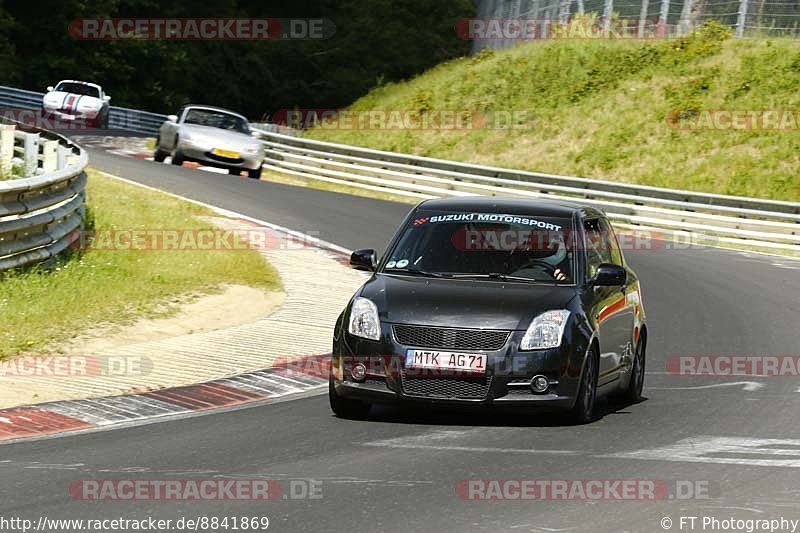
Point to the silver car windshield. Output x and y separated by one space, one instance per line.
216 119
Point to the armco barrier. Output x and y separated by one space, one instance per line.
697 216
42 193
701 217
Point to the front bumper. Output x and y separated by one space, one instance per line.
506 381
204 155
58 114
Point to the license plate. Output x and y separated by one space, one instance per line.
225 153
468 362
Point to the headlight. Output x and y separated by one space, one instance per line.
545 331
253 149
364 320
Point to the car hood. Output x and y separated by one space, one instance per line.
230 139
462 303
59 99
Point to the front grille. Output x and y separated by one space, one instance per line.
455 388
451 338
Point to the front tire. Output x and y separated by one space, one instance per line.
255 173
177 159
346 407
586 402
633 392
160 155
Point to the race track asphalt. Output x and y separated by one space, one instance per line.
398 471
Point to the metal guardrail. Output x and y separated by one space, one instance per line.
687 215
42 194
122 118
696 216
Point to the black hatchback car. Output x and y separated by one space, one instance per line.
493 302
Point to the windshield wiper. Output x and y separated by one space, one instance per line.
419 272
496 275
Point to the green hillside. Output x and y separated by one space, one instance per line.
617 110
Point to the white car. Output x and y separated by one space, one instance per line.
72 100
213 137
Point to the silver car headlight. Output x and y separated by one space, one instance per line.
364 320
545 331
253 149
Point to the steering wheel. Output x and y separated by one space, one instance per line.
538 262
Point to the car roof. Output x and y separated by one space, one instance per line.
81 82
212 108
508 206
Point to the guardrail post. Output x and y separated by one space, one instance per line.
31 154
49 156
6 150
63 156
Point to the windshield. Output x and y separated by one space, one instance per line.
216 119
78 88
486 245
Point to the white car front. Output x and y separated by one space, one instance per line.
72 100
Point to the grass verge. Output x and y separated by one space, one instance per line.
608 109
40 308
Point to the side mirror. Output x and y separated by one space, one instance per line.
49 88
364 259
106 98
256 134
172 118
609 275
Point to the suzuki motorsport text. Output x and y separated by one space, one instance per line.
493 302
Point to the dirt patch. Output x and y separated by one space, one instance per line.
235 305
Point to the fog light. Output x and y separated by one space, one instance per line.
539 384
359 372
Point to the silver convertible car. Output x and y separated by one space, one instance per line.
210 136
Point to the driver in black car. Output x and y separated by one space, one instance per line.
542 250
557 258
